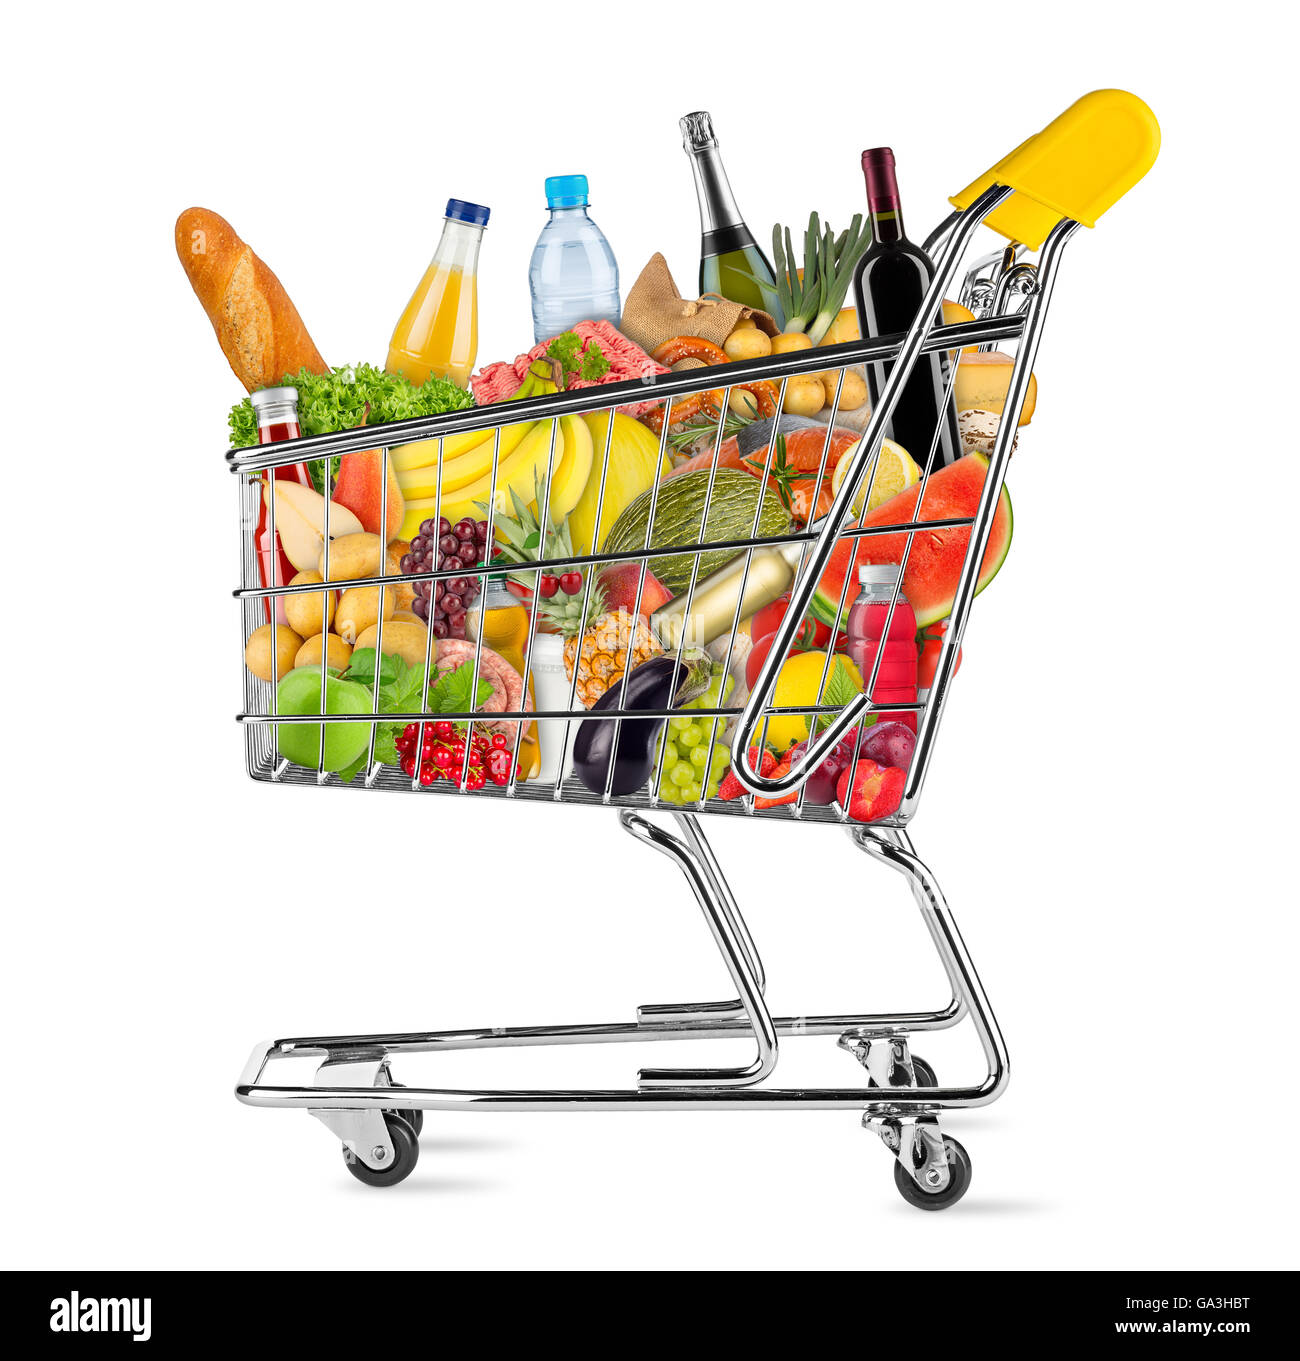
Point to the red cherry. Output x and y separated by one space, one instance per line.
547 586
571 583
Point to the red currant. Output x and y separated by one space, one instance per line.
548 585
500 741
446 731
571 583
475 780
441 757
411 732
428 774
498 764
408 765
501 779
403 744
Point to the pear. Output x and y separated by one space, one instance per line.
300 522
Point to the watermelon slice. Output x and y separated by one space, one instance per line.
934 565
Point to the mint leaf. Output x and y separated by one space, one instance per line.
452 694
839 690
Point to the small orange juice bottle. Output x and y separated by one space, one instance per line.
437 334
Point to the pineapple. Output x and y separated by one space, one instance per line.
598 650
596 640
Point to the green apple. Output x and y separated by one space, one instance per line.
299 693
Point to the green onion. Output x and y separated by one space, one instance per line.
812 303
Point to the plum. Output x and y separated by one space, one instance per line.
819 789
889 744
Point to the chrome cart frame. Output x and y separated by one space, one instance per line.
354 1092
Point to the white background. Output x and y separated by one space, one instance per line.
1111 809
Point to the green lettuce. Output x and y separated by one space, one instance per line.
337 401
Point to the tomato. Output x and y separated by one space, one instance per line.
758 653
812 632
929 640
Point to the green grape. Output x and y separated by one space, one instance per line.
681 774
669 792
689 737
690 792
678 722
699 757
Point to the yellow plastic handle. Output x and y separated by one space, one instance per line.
1078 166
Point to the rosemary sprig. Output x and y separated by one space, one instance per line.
706 423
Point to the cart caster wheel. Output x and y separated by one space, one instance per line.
958 1180
415 1117
406 1152
924 1074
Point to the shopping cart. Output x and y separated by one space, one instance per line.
353 1094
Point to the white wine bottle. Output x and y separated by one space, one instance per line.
731 263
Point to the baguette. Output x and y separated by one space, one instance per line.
258 327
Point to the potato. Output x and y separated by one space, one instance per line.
804 396
337 652
258 651
407 617
405 640
745 323
352 556
790 341
747 343
359 607
397 550
854 392
304 611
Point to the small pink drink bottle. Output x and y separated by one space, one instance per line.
896 682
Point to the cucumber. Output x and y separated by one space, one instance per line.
678 510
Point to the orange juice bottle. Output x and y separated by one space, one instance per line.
503 623
437 334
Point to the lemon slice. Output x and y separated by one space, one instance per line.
895 471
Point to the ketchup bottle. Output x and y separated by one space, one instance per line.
866 627
277 419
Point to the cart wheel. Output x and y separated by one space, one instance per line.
415 1116
406 1152
924 1074
958 1180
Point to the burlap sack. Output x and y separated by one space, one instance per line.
655 311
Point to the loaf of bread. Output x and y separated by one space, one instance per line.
258 327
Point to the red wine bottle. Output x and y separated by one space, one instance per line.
889 285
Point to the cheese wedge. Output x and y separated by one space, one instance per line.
982 381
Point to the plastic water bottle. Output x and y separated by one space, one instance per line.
573 274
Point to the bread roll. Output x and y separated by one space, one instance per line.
258 327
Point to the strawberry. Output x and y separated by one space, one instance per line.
781 768
731 788
869 791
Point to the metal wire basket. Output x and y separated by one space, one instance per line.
1009 310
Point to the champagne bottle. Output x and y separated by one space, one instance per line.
729 256
889 285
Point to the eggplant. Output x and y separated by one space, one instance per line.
758 434
660 683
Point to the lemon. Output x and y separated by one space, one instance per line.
895 471
798 684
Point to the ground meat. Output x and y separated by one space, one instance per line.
496 382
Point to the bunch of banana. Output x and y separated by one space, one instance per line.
454 476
